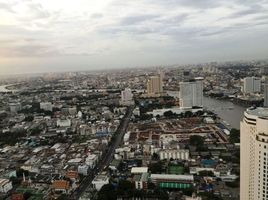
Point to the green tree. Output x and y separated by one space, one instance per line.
188 114
156 168
168 113
29 118
107 192
206 173
234 136
125 188
196 140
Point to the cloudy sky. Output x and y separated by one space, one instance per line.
55 35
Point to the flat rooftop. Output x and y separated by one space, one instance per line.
259 111
100 177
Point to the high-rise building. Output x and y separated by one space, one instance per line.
252 85
191 94
155 85
264 70
127 97
254 155
265 93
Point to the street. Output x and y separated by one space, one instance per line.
107 157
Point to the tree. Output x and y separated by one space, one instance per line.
107 192
155 156
125 188
29 118
27 195
188 114
156 168
168 113
234 136
21 171
206 173
196 140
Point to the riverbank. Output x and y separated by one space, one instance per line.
230 113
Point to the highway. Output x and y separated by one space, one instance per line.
107 157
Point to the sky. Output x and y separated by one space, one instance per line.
63 35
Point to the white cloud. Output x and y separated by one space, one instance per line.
116 32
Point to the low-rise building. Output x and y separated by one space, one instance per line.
100 181
5 185
141 181
181 154
172 181
61 186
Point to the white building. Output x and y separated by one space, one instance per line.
139 170
83 169
100 181
72 110
91 160
155 85
5 185
254 154
47 106
14 107
127 97
191 94
64 122
193 198
181 154
136 111
252 85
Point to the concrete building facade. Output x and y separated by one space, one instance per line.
155 85
191 94
252 85
254 155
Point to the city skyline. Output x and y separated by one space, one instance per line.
38 36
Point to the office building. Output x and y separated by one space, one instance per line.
155 85
252 85
254 155
191 94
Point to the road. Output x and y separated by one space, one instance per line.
107 157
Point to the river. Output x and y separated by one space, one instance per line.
226 110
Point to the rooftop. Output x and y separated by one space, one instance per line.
139 170
258 111
100 177
173 177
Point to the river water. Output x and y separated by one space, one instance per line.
226 110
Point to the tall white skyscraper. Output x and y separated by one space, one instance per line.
155 85
191 94
252 85
254 155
